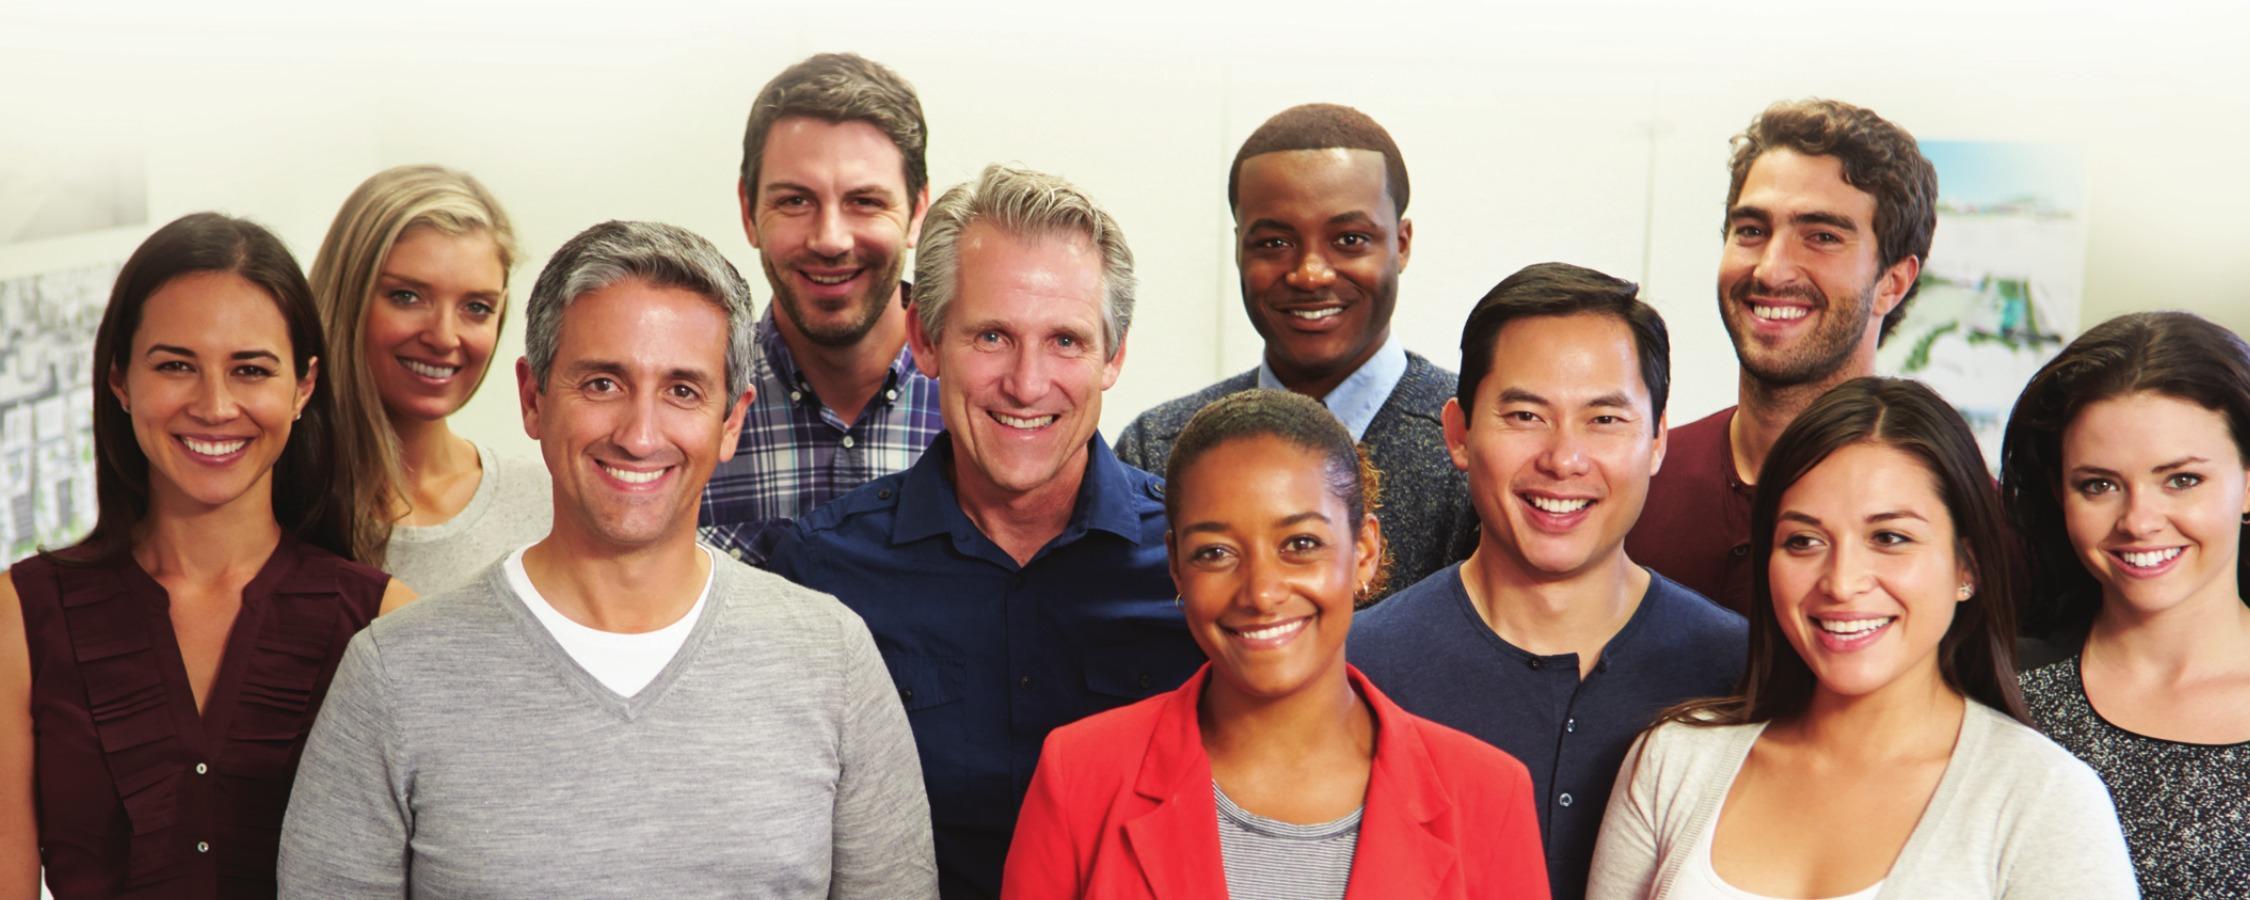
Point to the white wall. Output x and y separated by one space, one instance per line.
1593 133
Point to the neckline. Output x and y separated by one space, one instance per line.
557 656
210 721
2078 689
471 512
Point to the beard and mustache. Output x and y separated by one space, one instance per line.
867 304
1816 355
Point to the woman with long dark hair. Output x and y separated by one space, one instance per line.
1877 748
157 678
1278 770
2127 469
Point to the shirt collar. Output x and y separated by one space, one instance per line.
1362 393
928 504
774 356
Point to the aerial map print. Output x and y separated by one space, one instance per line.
47 324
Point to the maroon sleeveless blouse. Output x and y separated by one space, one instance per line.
138 794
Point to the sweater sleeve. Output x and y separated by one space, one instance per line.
1625 860
2067 842
349 818
882 825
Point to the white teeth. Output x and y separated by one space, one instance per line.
1019 422
1316 314
1271 632
631 477
2145 559
830 279
428 371
1560 507
1779 313
1851 626
214 448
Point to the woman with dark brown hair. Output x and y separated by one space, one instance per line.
1877 748
157 678
2127 468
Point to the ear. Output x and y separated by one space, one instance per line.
306 384
733 426
1368 544
1892 286
1456 433
1172 556
1663 440
117 387
527 395
921 210
924 344
1115 365
749 222
1405 242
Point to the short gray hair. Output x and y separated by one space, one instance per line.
651 252
1023 203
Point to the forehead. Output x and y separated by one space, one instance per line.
634 321
1027 282
1784 182
816 152
1256 478
1313 186
2143 429
212 308
1866 478
423 252
1566 358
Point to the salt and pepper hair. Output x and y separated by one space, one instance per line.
650 252
1022 203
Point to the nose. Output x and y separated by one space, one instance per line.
214 399
1312 272
1851 571
2143 515
1565 455
1026 381
444 332
637 433
1264 584
1777 266
829 235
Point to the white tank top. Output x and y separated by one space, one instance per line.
1699 880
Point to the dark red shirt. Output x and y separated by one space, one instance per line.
1695 527
140 795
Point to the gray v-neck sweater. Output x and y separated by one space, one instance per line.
462 753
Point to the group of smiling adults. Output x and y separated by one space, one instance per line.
853 600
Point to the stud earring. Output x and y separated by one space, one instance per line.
1966 591
1178 602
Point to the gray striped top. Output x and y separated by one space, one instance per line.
1268 859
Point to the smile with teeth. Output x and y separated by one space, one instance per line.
1314 315
427 370
1779 313
632 477
1558 505
1028 424
214 448
1272 632
830 279
1852 627
2148 559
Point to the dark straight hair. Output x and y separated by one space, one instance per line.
1977 654
2175 354
310 500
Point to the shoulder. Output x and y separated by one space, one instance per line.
1703 430
1165 419
522 476
1685 753
1426 385
1691 616
875 499
2026 762
450 622
781 608
1410 607
1465 763
359 585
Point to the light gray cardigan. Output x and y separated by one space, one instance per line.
2014 816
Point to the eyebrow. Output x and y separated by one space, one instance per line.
1519 395
238 354
1268 223
2182 462
1355 217
408 280
612 367
1220 528
1832 220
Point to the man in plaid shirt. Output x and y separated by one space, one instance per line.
833 188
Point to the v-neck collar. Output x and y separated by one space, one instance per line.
567 668
203 728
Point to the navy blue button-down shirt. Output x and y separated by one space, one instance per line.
1430 650
988 656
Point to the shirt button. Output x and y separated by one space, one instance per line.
1537 664
1145 679
796 395
202 847
1025 681
847 442
891 394
1565 800
906 695
201 769
1570 725
882 493
1740 551
735 552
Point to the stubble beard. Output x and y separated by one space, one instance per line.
1818 355
870 305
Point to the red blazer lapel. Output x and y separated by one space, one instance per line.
1407 847
1176 843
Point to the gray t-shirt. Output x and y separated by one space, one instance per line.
462 753
1268 859
514 506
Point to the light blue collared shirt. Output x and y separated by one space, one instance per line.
1363 393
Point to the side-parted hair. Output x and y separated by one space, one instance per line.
1025 204
838 88
1323 126
1562 289
311 501
655 254
1299 421
2175 354
344 274
1879 158
1977 654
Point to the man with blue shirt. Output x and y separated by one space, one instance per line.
1319 197
1014 577
1548 641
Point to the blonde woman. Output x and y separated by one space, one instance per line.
412 282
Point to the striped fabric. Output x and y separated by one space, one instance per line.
1268 859
795 453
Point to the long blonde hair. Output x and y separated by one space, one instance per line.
343 280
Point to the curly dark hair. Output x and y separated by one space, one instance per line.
1323 126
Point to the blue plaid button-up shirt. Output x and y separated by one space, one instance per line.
796 454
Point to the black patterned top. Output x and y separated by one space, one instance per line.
2185 807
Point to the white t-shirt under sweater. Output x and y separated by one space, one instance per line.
622 662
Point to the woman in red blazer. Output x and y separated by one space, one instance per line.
1278 770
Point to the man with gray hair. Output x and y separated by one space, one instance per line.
616 710
1015 576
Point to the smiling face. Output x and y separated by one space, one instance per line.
635 413
209 385
433 321
1019 359
1560 446
1320 247
2153 495
1864 570
1267 561
1801 290
832 222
